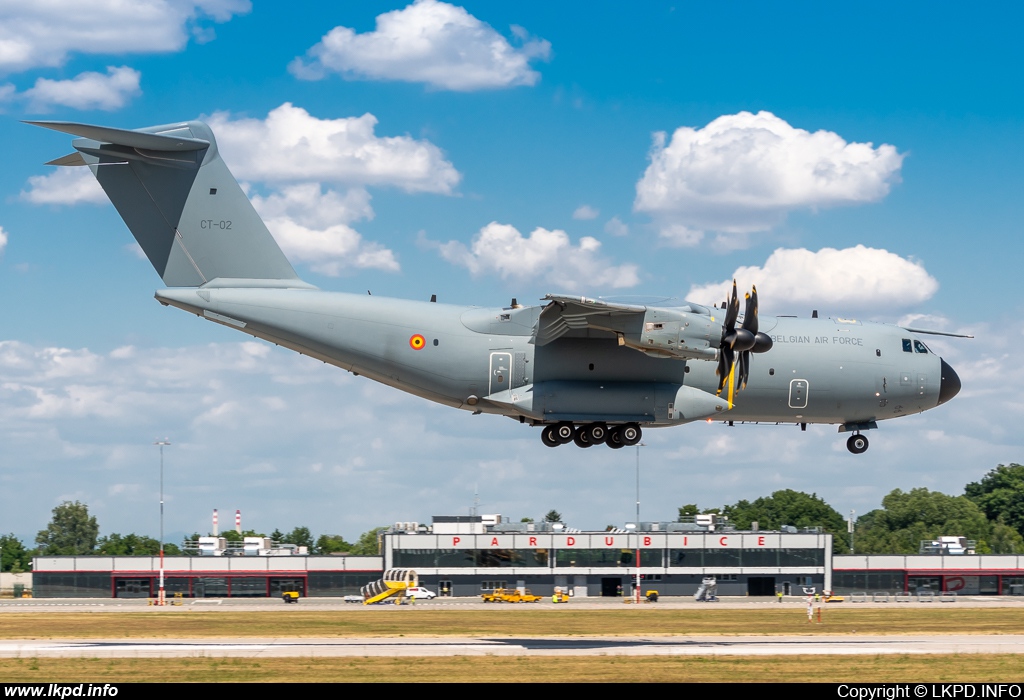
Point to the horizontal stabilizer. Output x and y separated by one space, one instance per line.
126 137
70 159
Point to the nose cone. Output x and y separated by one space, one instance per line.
949 384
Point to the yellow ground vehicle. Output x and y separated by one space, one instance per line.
525 597
560 597
290 596
495 596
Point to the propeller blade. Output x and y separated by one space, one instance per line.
750 314
733 310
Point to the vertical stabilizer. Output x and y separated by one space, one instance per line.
181 203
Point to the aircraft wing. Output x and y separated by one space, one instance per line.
685 332
565 313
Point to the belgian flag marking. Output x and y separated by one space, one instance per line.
417 342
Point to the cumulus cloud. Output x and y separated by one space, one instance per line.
615 227
65 186
87 90
312 226
745 172
500 249
427 42
44 33
858 278
3 240
291 145
585 212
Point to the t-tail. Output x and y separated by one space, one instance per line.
181 203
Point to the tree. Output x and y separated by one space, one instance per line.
688 511
300 537
1001 495
127 545
331 544
368 543
71 531
905 519
14 557
789 507
526 520
553 516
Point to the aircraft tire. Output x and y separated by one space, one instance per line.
631 434
564 432
581 438
614 440
597 433
857 444
548 436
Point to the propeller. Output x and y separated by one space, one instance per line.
738 343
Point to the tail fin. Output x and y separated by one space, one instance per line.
181 203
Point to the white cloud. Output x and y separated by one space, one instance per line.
86 90
859 278
615 227
549 255
744 172
311 226
44 33
427 42
585 212
65 186
290 145
3 239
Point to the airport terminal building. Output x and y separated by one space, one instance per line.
468 555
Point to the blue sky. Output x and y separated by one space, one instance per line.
494 151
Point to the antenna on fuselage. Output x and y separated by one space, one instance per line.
433 298
814 314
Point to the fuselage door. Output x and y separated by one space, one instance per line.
501 372
798 393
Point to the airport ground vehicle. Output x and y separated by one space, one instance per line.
420 592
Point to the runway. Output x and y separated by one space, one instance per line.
535 646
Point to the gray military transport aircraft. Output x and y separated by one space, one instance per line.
587 371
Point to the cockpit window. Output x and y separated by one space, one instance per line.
906 345
920 347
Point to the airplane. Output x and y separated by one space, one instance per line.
586 371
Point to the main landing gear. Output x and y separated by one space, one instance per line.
616 436
857 444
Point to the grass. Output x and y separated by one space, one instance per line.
599 669
504 621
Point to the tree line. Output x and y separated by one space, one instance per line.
72 531
989 511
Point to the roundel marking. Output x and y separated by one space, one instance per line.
417 342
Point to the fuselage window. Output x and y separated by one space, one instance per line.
920 347
906 345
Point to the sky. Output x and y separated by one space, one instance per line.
861 162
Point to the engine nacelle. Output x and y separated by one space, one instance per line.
670 333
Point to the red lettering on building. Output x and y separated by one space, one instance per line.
494 541
722 541
533 541
609 541
760 541
570 541
456 540
686 541
647 542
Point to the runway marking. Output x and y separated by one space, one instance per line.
529 646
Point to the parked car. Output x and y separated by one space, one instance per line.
420 592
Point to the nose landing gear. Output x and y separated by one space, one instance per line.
857 444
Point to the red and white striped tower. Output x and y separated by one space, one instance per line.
215 526
238 522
